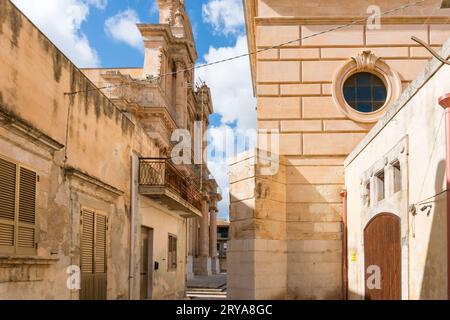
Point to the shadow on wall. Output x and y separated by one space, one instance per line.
310 223
434 273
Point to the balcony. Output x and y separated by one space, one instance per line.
160 180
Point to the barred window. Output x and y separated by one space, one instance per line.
172 254
17 209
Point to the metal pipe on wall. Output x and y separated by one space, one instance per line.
344 246
133 209
444 101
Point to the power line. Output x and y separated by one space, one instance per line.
152 79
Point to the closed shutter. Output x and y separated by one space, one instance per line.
93 256
87 242
172 256
27 211
100 243
7 205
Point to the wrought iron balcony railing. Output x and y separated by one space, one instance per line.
158 177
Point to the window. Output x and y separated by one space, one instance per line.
379 182
366 195
365 86
365 92
172 256
17 209
397 177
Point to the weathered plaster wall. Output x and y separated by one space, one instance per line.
418 118
96 142
167 284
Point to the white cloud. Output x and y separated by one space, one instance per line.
231 84
122 28
225 16
61 21
100 4
232 94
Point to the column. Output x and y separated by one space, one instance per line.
190 248
213 238
180 95
204 236
202 263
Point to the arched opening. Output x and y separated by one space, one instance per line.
382 258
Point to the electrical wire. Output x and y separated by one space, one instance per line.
200 66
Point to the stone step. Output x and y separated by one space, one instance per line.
206 295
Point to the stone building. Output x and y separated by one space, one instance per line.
396 196
323 93
89 196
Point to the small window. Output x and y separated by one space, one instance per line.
379 182
365 92
397 177
17 209
366 194
172 254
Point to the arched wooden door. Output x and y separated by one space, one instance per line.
382 252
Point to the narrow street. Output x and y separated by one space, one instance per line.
212 287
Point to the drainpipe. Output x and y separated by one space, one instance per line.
133 209
344 246
444 101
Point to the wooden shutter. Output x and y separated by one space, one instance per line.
7 205
87 242
100 243
93 256
172 256
27 211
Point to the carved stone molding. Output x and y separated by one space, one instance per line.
365 61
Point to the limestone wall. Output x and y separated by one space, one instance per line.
418 119
81 146
295 87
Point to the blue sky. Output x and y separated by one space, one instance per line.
103 33
126 56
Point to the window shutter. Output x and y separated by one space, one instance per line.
87 242
100 243
27 211
7 205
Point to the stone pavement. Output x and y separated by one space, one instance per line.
207 287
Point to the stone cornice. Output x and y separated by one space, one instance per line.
164 30
8 119
346 20
250 14
85 177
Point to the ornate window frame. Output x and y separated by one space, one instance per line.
366 62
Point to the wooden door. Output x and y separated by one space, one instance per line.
146 267
144 263
382 248
93 256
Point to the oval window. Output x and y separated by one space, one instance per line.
365 92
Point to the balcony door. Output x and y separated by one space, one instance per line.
146 273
